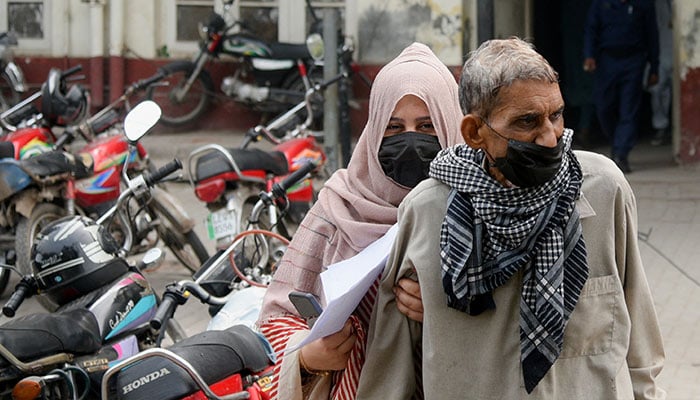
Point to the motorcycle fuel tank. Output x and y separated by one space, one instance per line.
29 141
128 304
298 152
108 153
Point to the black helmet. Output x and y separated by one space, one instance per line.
60 104
73 256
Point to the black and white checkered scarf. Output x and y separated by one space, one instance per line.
490 232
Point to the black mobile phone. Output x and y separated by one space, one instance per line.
307 305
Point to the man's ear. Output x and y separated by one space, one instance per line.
470 131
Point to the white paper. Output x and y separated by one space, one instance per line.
345 283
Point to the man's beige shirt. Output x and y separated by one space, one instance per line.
612 343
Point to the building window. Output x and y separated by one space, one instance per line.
260 18
269 20
189 14
26 19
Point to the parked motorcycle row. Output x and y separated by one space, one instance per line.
104 339
83 210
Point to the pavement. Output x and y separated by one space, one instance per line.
668 199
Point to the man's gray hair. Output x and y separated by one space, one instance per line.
495 64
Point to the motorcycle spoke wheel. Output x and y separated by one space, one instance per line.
179 112
255 255
186 246
27 230
295 83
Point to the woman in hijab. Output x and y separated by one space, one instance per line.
413 113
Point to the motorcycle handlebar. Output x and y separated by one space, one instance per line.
325 84
104 121
177 294
68 134
280 188
22 291
146 82
70 71
162 172
165 310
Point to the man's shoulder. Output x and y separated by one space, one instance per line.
600 174
427 190
597 164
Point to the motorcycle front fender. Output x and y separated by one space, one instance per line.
16 77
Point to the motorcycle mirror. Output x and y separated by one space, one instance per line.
141 119
152 259
314 43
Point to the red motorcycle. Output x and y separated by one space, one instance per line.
115 160
29 133
230 180
233 362
26 209
30 130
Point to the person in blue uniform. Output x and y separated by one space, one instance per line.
621 37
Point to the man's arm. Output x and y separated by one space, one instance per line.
651 35
388 372
591 31
645 356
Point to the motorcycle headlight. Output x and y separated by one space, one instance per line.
314 43
203 31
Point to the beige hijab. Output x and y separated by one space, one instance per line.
359 204
361 199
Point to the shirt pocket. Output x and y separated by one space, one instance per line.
591 326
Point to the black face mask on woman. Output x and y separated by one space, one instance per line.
529 164
406 157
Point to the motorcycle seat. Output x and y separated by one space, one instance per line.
58 162
7 150
215 355
287 51
38 335
215 163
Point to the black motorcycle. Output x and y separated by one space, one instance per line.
269 77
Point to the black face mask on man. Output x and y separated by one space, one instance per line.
529 164
406 157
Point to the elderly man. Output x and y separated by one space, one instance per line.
532 284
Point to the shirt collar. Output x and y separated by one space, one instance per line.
585 209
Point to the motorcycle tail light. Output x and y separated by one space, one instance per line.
210 191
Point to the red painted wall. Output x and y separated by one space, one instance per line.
689 149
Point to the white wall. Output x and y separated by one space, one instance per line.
687 35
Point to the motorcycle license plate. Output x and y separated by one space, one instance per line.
222 223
